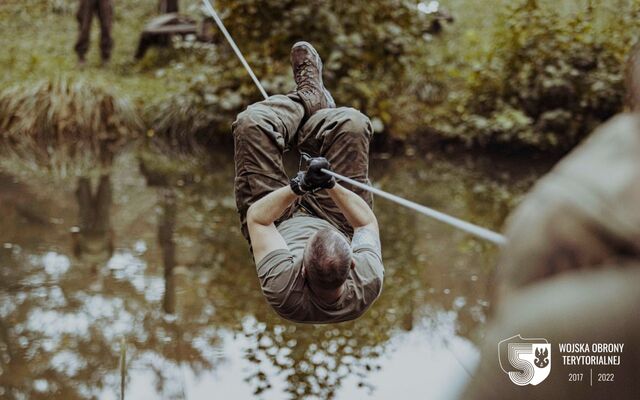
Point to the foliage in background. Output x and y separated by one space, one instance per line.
548 77
518 74
367 48
547 81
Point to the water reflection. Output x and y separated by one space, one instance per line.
166 228
93 238
156 257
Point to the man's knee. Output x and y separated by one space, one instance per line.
247 122
258 126
354 121
262 114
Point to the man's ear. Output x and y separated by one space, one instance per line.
304 271
353 263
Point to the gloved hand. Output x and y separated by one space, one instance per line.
314 179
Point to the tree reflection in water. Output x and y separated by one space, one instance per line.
159 260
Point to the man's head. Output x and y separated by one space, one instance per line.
632 79
327 259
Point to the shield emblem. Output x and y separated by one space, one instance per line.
541 362
527 361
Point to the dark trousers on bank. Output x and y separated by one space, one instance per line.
103 9
266 129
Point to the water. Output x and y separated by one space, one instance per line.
158 259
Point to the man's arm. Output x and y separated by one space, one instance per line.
359 215
265 238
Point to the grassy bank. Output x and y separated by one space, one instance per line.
37 38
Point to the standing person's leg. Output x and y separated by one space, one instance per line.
342 135
105 15
261 133
84 16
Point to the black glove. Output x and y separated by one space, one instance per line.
314 179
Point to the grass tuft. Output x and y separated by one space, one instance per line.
69 119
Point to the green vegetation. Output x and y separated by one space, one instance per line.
523 74
548 80
66 121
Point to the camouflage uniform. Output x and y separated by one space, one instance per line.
265 130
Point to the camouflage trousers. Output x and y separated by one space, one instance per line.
104 11
265 130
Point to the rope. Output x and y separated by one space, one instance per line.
234 46
468 227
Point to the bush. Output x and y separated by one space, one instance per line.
546 82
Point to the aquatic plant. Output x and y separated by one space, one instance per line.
66 120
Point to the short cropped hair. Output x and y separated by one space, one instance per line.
327 259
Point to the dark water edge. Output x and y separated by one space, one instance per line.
157 258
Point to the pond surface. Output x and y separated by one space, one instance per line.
152 257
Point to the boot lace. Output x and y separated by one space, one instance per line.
305 76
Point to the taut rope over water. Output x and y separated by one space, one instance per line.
468 227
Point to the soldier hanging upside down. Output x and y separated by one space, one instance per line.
315 243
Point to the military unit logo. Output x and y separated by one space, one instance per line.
526 361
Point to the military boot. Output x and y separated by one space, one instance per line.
307 72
